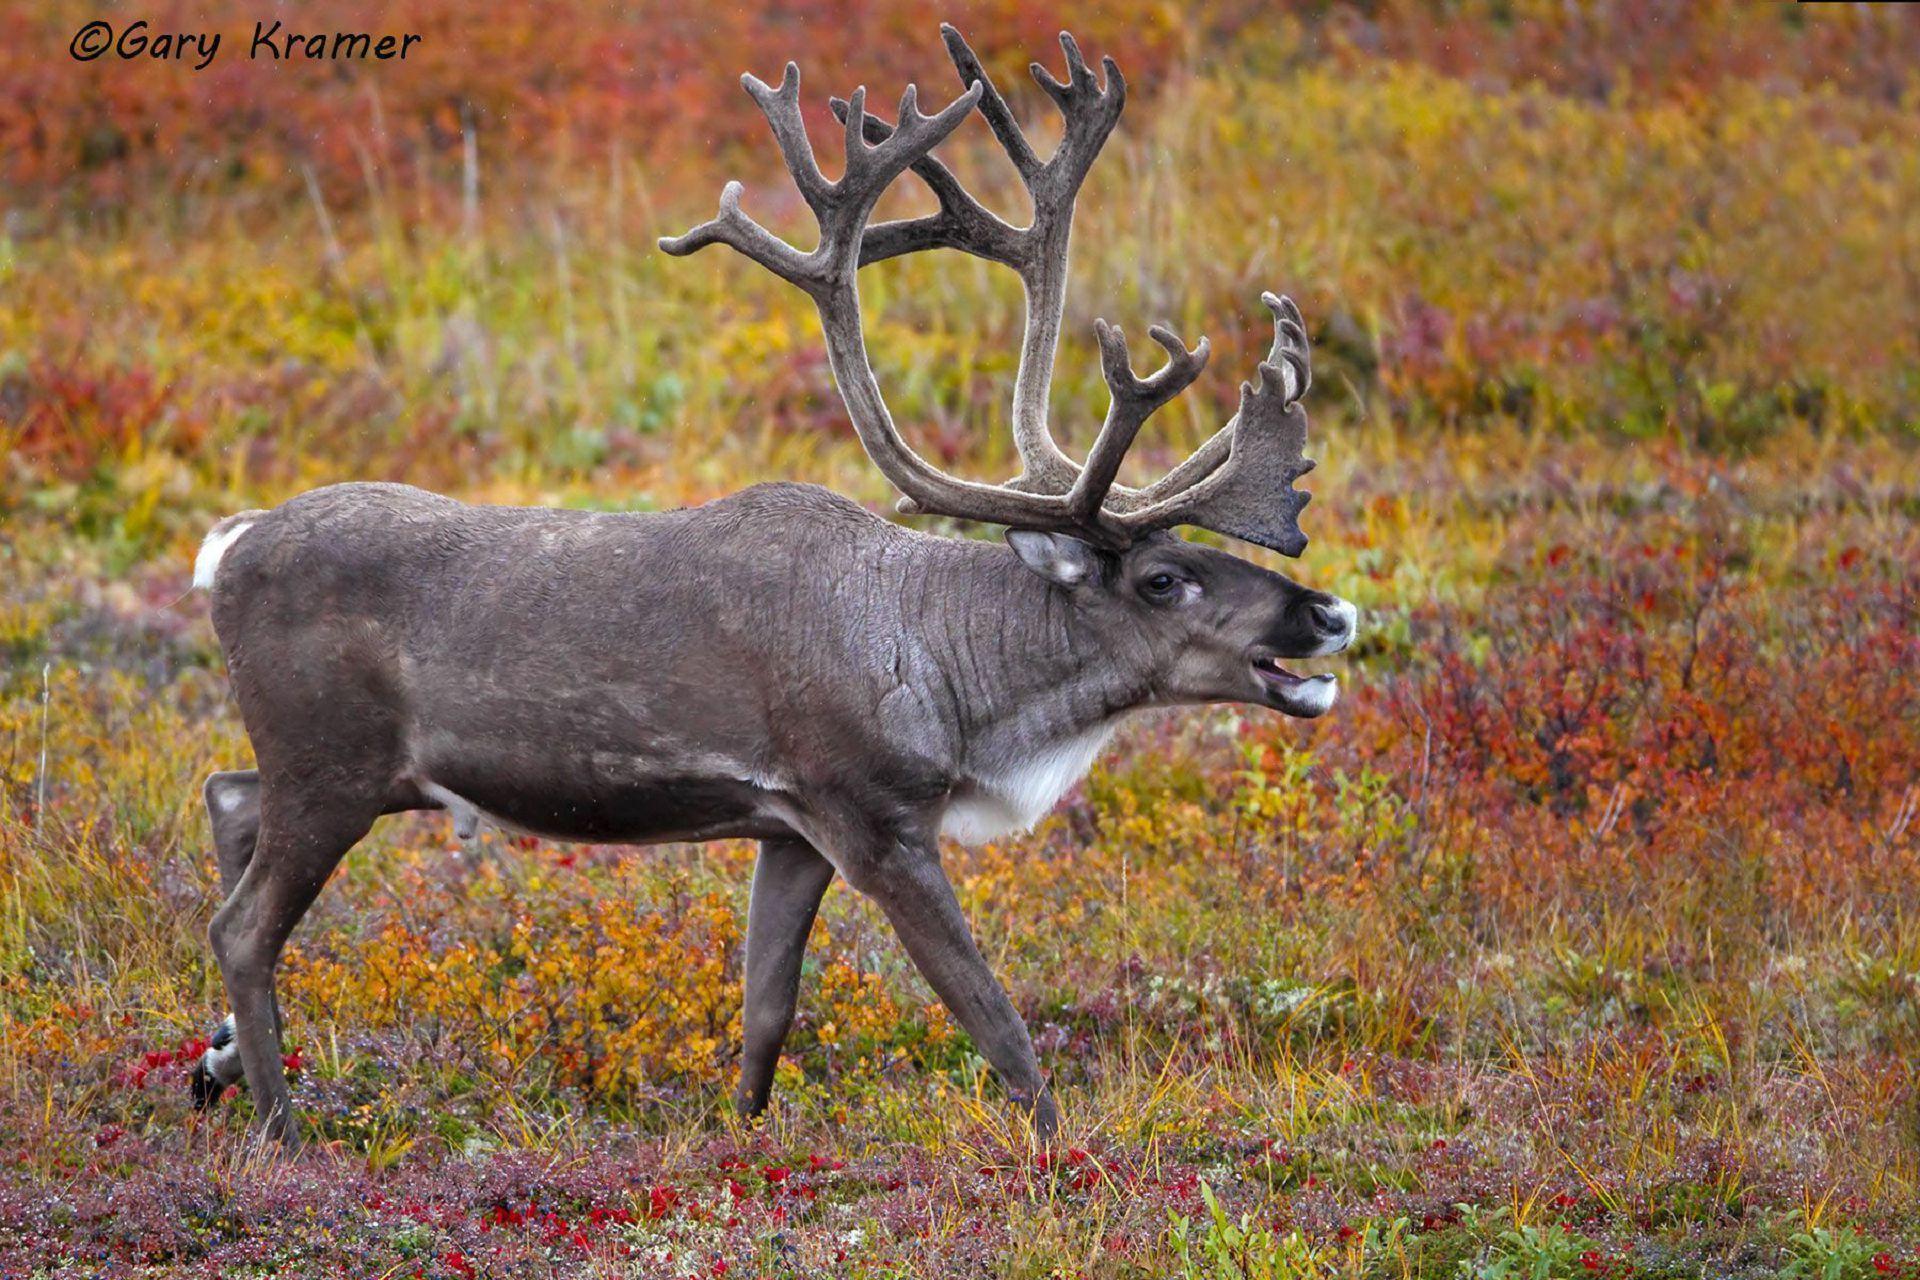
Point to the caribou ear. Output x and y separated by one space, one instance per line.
1060 558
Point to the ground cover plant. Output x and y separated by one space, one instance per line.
1578 941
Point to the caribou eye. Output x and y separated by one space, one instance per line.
1161 587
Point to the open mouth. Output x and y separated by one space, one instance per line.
1295 694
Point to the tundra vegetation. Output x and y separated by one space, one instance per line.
1578 941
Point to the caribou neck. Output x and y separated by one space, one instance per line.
1020 665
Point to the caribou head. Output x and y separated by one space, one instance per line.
1069 521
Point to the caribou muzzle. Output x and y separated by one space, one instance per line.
1321 626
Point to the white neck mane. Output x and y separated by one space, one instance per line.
1011 795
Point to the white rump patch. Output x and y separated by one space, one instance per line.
207 563
1018 794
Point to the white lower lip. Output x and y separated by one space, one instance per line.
1313 694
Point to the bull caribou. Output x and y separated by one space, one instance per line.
780 665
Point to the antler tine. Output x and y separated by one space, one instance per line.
1134 400
733 227
871 168
1076 71
963 223
1290 343
1013 140
742 234
1250 494
855 121
840 208
782 109
1291 352
1091 109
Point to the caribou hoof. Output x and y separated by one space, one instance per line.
1040 1110
206 1089
218 1067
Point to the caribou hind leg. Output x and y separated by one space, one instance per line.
301 840
233 809
788 882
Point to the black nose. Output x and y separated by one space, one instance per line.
1327 619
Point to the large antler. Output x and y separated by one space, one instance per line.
1234 474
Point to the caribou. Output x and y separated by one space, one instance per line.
780 665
